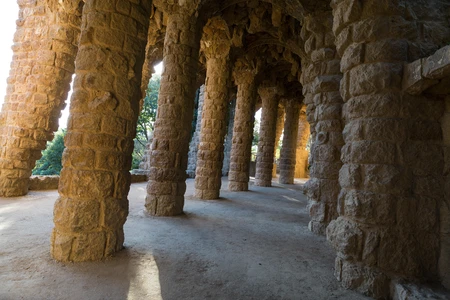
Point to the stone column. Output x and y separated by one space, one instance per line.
38 84
95 180
229 139
216 45
267 134
244 121
288 149
321 78
301 154
391 177
279 131
195 141
167 184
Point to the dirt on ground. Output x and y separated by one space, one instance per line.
246 245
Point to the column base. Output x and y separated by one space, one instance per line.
286 180
237 186
13 187
164 205
85 246
366 280
263 183
207 194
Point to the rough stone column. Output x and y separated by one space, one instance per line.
301 154
38 84
167 184
195 141
94 184
267 134
321 79
229 139
288 149
244 121
216 45
391 177
278 132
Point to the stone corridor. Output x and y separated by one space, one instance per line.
366 82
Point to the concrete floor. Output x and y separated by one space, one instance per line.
247 245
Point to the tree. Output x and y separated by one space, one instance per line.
146 120
50 162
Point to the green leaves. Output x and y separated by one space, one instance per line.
50 162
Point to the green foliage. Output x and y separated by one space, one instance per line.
50 162
146 120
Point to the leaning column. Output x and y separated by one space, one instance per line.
169 150
267 132
244 120
288 149
38 84
93 206
216 47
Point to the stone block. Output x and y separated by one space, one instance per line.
437 66
413 81
38 183
346 238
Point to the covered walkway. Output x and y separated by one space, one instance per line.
247 245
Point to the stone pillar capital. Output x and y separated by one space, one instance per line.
244 71
216 40
173 7
267 92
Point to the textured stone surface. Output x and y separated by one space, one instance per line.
392 174
408 291
244 119
93 205
216 46
267 135
195 141
425 72
278 132
168 162
45 45
321 82
229 138
39 183
302 155
374 75
289 147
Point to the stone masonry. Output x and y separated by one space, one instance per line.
301 161
229 138
278 132
168 160
392 174
267 135
289 147
244 119
321 80
195 141
93 205
38 84
216 45
375 79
